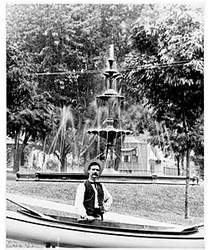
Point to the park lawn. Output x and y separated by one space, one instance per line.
163 203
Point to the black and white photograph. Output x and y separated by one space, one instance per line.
104 125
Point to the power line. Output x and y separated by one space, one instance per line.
98 71
159 65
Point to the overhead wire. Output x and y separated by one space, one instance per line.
82 71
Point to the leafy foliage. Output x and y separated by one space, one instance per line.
167 67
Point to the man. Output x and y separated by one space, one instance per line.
92 198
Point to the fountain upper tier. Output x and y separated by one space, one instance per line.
108 96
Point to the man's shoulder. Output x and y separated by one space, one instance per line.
81 185
103 186
85 182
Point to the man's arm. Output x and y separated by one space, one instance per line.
79 200
107 198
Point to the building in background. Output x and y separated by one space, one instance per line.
139 157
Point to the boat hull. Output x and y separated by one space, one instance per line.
40 231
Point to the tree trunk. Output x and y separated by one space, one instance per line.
63 159
22 150
182 164
178 165
187 168
187 183
63 164
22 155
16 154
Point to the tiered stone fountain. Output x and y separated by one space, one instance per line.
110 99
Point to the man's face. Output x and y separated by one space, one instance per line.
94 171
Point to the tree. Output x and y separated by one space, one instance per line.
19 94
27 111
167 68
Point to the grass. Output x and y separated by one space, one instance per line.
163 203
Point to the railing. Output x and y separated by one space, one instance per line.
108 178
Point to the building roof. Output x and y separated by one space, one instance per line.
10 141
152 155
127 149
133 139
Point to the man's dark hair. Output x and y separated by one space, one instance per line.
93 164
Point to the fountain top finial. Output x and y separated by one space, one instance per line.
111 55
111 72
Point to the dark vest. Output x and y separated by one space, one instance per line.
89 198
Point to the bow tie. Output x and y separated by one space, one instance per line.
94 183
